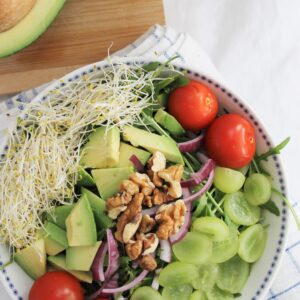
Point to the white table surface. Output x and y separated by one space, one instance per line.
256 47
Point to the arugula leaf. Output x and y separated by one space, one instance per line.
271 207
273 151
199 205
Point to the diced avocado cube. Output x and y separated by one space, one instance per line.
84 178
52 247
57 234
108 181
102 149
168 122
81 258
59 262
126 151
32 259
153 142
60 214
81 227
98 207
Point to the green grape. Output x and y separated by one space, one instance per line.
216 294
194 248
233 275
252 243
180 292
177 273
257 189
224 250
239 210
228 180
198 295
214 227
146 293
207 276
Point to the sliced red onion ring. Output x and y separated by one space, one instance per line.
113 255
98 263
198 177
191 145
166 251
150 211
137 163
155 283
204 189
127 286
186 225
202 157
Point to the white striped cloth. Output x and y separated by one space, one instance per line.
163 41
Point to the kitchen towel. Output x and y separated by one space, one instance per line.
165 42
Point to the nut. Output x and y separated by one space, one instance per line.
147 262
160 197
144 183
148 201
172 176
150 243
131 228
133 208
147 224
134 248
157 162
115 205
129 186
170 218
158 182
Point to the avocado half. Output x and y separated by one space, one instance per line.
30 27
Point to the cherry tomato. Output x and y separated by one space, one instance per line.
194 106
230 141
56 286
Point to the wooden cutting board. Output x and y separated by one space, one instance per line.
81 34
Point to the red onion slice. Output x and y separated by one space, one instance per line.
155 283
127 286
192 145
166 251
204 189
137 163
186 225
202 157
198 177
113 255
98 263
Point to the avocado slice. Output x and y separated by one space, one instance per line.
108 181
56 233
126 151
32 259
98 207
168 122
81 227
60 214
84 178
81 258
59 262
30 27
102 149
153 142
52 247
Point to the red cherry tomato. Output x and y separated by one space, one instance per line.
56 286
194 105
230 141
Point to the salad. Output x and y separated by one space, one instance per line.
129 183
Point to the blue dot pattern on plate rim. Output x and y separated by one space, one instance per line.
279 248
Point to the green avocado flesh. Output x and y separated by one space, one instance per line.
60 214
59 262
81 258
84 178
108 181
153 142
102 149
29 28
98 208
81 227
126 151
32 259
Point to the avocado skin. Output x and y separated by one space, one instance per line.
30 42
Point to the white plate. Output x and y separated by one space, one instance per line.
264 271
